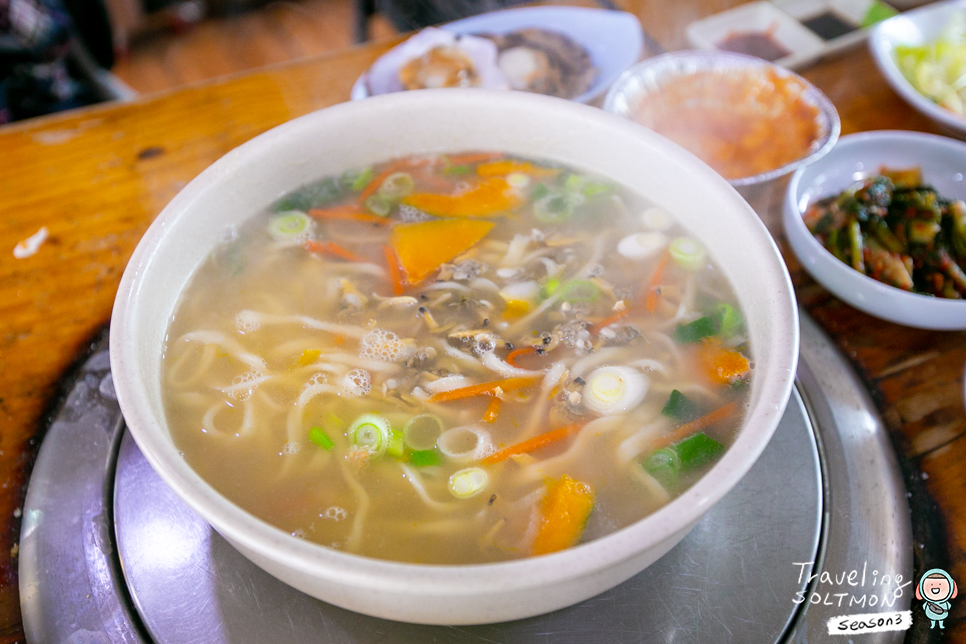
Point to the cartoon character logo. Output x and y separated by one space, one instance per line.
935 590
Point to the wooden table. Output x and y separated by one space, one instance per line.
97 177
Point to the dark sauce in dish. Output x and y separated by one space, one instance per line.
829 25
754 43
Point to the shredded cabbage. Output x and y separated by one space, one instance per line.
937 69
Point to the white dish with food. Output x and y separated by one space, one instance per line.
613 40
431 122
839 23
918 28
759 29
858 155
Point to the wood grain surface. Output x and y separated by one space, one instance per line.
96 178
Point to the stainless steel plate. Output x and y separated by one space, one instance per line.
732 579
191 586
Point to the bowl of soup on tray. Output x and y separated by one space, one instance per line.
455 356
752 121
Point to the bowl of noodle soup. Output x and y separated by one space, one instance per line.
454 357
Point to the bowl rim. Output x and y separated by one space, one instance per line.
796 231
883 47
437 579
825 107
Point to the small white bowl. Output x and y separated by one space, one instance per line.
763 191
360 133
915 27
943 163
614 39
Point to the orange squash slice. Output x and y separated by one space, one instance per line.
489 197
422 247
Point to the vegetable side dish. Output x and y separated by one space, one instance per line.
896 229
937 69
456 359
742 122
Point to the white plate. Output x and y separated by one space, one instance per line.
915 28
761 16
849 11
943 163
613 39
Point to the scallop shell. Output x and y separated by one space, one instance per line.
384 74
523 65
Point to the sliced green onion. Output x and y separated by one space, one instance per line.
357 180
694 331
573 182
697 450
458 169
291 226
378 205
664 465
579 291
314 195
396 447
557 208
518 180
320 438
539 191
729 319
424 457
593 188
680 407
467 483
396 186
422 432
371 432
687 252
549 288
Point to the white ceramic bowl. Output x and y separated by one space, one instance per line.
613 39
915 27
361 133
943 163
764 191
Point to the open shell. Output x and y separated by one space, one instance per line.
435 55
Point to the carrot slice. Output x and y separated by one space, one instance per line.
507 166
349 213
534 443
492 410
695 425
566 508
722 365
610 319
422 247
373 185
489 197
483 389
331 248
394 274
516 353
472 157
653 286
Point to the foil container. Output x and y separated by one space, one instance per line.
764 191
